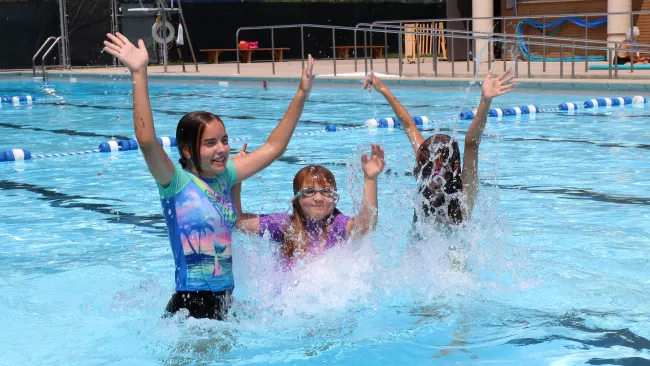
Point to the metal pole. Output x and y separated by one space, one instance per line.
189 40
453 60
237 48
474 55
371 63
302 45
113 20
334 49
490 44
399 48
62 46
561 61
586 39
417 48
504 46
615 68
573 58
467 44
516 64
161 4
609 64
272 51
365 52
355 50
544 45
529 57
386 48
434 53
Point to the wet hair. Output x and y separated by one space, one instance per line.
294 238
436 151
189 133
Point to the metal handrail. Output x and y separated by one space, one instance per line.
514 17
36 54
497 34
45 55
487 37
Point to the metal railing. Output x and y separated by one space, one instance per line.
45 44
559 41
490 38
503 19
502 22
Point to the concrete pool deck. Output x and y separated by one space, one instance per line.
289 71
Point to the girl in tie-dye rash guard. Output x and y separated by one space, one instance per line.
196 193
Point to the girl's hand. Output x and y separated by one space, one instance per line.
307 80
135 58
242 152
373 80
374 164
493 88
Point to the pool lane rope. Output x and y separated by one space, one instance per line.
567 107
110 146
20 100
388 122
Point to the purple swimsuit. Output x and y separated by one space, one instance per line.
276 223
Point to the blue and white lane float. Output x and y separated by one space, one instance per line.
390 122
17 99
15 155
104 147
567 106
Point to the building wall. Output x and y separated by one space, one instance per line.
642 21
535 9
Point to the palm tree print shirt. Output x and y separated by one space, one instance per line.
200 217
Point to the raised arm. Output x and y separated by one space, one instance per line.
372 166
490 89
278 141
410 128
136 59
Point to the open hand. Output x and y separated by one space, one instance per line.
373 80
493 88
307 80
374 164
135 58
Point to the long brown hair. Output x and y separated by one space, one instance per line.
436 149
189 133
294 238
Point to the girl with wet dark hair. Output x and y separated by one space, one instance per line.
196 195
445 191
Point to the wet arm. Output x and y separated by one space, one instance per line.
409 126
136 59
159 164
366 220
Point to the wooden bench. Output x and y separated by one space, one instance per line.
342 51
245 55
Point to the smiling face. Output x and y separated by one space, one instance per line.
203 143
319 205
214 149
314 204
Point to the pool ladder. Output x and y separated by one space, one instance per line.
56 40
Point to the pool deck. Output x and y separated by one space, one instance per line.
530 76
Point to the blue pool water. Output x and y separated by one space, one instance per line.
555 266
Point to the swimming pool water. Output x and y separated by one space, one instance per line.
554 267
